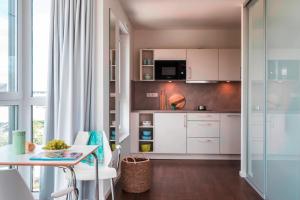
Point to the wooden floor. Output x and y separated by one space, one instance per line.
194 180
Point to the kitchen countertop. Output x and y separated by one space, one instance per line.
187 111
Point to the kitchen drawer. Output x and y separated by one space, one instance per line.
203 116
203 129
203 145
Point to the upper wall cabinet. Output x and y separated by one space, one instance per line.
202 65
170 54
229 64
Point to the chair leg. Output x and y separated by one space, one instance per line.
112 189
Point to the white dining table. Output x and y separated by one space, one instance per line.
9 158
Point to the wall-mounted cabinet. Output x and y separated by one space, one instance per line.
202 65
229 64
170 54
147 65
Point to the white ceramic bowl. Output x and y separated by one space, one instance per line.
146 123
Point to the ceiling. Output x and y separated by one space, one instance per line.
183 14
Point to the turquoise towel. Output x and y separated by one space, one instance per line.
96 138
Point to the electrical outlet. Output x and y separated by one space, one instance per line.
152 95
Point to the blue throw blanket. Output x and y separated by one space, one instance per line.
96 138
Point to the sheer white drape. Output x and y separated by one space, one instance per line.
71 89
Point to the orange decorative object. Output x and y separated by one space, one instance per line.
29 147
162 100
178 100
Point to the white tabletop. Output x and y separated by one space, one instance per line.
8 157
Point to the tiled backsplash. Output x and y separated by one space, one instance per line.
215 96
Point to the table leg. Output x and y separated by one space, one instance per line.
97 177
73 182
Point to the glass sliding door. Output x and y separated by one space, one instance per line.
256 96
283 99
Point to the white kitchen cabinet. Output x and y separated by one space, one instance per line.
202 65
170 132
203 145
229 64
203 129
230 134
169 54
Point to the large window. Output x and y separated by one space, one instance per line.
8 69
40 41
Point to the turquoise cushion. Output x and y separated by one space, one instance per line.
96 138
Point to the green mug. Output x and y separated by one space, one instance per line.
18 141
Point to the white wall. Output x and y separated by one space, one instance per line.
173 39
102 61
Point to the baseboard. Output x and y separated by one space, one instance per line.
243 174
189 156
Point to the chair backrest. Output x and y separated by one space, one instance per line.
12 186
82 138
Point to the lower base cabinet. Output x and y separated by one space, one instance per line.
170 133
203 146
230 134
189 133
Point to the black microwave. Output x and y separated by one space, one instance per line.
170 69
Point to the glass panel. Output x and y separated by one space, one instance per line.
8 67
38 125
8 123
40 41
283 99
256 96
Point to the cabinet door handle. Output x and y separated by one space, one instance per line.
190 73
233 116
207 124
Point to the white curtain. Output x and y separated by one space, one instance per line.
71 89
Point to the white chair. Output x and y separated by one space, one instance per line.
107 171
13 187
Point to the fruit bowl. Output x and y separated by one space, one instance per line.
56 146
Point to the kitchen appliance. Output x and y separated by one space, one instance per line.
201 108
170 70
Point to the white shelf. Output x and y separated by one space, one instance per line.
112 94
146 152
112 126
148 65
146 126
146 140
148 80
112 112
112 140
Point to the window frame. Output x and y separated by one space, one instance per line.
23 97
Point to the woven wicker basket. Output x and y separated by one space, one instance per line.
136 174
